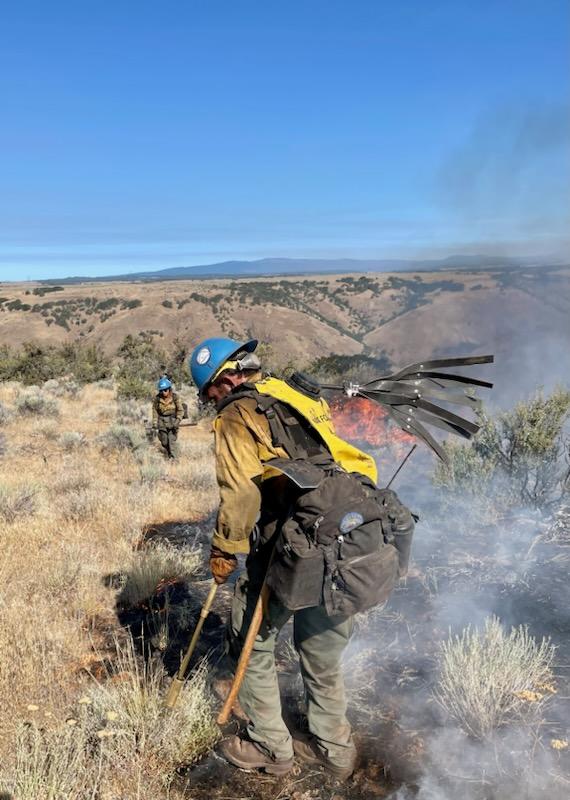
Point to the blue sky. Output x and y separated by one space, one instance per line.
141 135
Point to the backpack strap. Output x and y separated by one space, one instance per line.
288 429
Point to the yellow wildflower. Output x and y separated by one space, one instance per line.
559 744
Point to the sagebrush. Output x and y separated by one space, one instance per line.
491 677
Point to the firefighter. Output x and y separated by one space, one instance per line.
253 505
167 413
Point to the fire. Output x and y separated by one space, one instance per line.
361 420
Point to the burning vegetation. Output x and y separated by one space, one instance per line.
361 420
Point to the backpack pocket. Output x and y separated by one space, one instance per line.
296 572
356 584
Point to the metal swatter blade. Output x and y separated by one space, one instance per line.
409 395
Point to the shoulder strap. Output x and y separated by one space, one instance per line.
289 430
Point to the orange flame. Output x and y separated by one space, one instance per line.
361 420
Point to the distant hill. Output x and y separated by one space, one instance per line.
309 266
520 314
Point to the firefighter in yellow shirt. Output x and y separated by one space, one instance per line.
253 505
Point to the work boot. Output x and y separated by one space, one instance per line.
221 688
245 754
307 751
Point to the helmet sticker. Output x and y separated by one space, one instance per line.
203 356
350 521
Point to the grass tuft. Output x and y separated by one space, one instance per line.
155 565
52 764
129 708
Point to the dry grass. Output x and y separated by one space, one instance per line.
491 677
52 764
129 708
157 564
118 737
17 501
73 514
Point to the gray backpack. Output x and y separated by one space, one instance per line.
344 543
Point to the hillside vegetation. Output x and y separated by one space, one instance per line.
518 314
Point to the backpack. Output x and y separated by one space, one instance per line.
344 544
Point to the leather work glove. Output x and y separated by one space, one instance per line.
221 565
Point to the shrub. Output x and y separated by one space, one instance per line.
336 369
129 304
131 411
34 403
49 430
35 363
516 459
4 414
73 480
72 440
105 305
66 387
78 504
87 363
492 677
19 501
121 437
132 387
152 471
141 363
41 290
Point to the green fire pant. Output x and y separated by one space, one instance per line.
320 641
167 437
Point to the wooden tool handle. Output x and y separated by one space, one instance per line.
178 681
241 668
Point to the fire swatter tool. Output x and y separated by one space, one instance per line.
414 394
178 680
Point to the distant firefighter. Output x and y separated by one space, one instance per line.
167 413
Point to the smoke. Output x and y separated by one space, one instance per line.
512 768
465 569
511 176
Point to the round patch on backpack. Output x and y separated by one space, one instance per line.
203 356
350 521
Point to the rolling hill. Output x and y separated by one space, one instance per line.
522 315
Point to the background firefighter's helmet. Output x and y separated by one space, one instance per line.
163 384
210 355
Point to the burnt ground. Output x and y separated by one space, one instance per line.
516 569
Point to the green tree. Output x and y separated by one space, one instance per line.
139 365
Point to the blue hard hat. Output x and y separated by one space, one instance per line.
211 354
163 383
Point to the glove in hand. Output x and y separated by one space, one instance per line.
221 565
